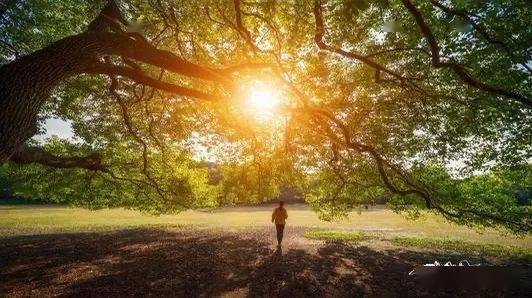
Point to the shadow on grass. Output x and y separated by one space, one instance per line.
197 263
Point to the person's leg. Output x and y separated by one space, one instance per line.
280 230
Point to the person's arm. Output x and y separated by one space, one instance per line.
285 214
273 214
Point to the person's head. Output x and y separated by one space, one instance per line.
281 204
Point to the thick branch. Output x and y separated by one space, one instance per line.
141 78
460 71
124 46
28 81
27 155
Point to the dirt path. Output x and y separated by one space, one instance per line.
201 262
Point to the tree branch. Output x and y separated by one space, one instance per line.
244 32
141 78
135 46
133 132
27 155
109 17
516 225
412 187
460 71
482 31
124 46
319 40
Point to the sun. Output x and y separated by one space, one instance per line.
262 99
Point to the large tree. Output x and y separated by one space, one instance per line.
27 81
379 98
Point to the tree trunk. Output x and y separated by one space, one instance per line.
26 83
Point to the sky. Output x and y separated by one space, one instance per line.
58 127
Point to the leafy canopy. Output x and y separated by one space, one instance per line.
167 152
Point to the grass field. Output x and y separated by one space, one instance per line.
377 221
231 252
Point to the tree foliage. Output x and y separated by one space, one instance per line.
424 104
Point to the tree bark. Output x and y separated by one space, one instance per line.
26 83
28 155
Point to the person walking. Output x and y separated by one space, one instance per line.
279 217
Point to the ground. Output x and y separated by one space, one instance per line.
230 252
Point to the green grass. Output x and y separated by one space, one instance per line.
376 222
489 250
466 247
353 236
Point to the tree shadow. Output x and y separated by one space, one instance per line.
191 262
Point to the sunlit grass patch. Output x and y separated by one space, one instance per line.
467 247
336 235
377 223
